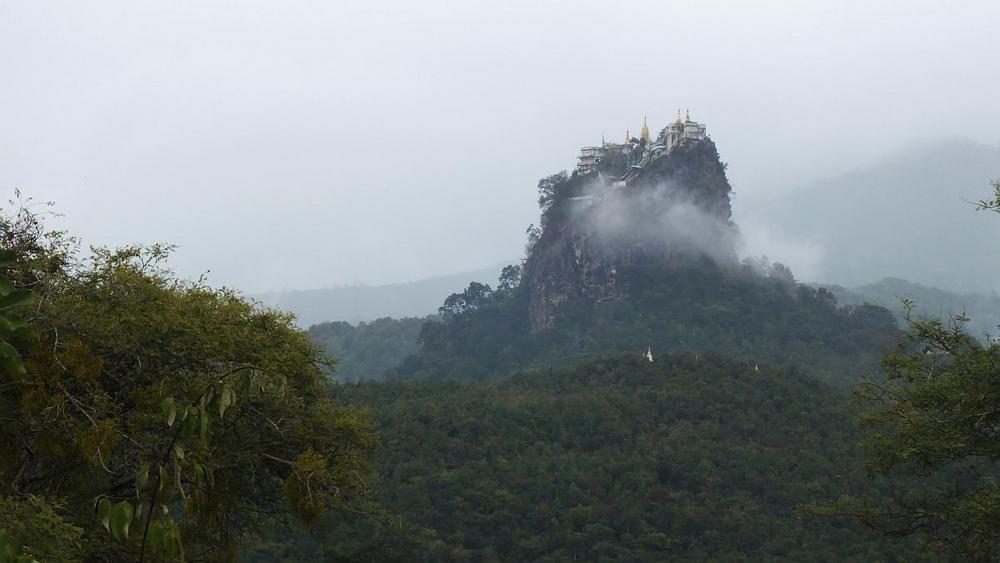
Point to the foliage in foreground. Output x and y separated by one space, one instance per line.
159 419
935 437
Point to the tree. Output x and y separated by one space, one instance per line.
934 438
170 418
32 518
534 234
510 278
475 296
992 204
548 189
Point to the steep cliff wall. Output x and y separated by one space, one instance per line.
677 210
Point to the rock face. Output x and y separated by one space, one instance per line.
675 209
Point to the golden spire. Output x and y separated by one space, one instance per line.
687 116
678 115
628 137
644 134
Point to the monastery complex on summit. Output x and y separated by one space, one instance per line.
640 151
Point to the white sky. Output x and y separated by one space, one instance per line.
300 144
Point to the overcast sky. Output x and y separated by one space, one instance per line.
300 144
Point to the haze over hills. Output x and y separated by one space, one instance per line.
358 303
908 215
545 434
982 310
823 231
636 250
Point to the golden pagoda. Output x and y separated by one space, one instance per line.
644 134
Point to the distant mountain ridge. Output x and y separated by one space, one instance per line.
910 215
983 310
364 303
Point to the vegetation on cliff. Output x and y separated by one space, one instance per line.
755 313
675 210
652 263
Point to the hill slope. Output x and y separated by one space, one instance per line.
637 254
755 314
684 459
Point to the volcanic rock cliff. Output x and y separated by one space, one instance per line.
672 206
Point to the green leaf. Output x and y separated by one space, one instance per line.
179 452
8 351
172 541
141 478
10 360
169 410
177 478
16 299
121 519
127 512
104 513
164 478
154 539
16 326
199 474
190 424
225 399
203 418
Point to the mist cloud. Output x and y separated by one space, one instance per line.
664 218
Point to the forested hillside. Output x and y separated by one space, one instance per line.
689 458
756 313
641 253
369 349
